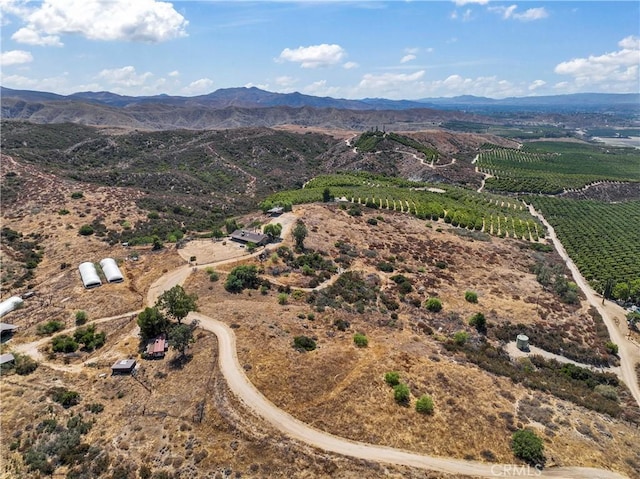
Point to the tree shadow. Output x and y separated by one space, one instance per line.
180 361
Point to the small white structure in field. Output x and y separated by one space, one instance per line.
111 270
522 342
8 305
89 275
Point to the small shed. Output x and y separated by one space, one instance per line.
89 275
244 236
111 270
522 342
9 304
123 366
156 348
7 329
275 211
7 359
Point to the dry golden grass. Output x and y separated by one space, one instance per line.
338 388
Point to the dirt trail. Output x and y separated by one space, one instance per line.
253 399
627 351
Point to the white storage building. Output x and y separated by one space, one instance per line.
9 304
111 270
89 275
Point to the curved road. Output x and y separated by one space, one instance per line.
242 387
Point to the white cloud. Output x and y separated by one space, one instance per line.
32 37
122 20
320 88
203 85
537 84
467 2
350 65
15 57
314 56
510 12
174 73
286 81
615 71
124 77
388 80
407 58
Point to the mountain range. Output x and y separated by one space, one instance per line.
238 107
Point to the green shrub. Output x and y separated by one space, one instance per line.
81 317
49 327
241 277
95 407
372 221
63 211
24 364
76 195
214 276
526 445
433 304
392 378
304 343
424 405
471 296
86 230
64 344
479 322
360 340
65 397
283 298
441 264
460 337
401 393
385 266
607 391
612 348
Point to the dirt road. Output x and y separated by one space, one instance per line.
627 351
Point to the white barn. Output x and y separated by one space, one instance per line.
8 305
89 275
111 270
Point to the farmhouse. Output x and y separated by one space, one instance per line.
156 348
244 237
111 270
123 366
89 275
8 305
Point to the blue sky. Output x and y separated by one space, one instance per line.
343 49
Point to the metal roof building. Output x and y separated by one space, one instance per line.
244 236
123 366
8 305
7 328
89 275
6 358
111 270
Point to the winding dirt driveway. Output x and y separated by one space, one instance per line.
627 351
242 387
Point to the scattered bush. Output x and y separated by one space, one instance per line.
401 393
64 344
471 296
441 264
433 304
241 277
76 195
392 378
81 317
360 340
214 276
607 391
63 211
65 397
341 324
479 321
424 405
304 343
49 327
460 337
86 230
526 445
95 407
372 221
283 298
386 267
612 348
